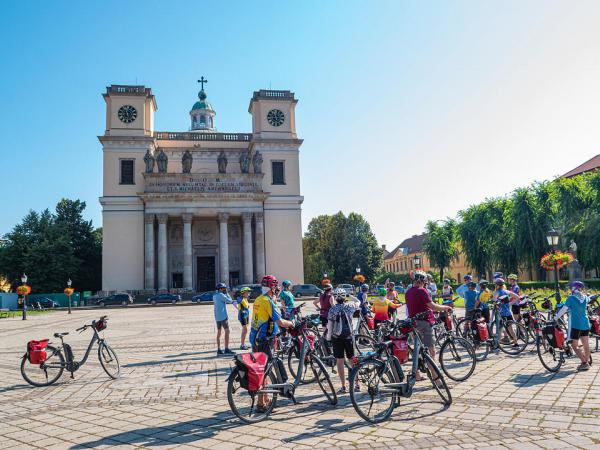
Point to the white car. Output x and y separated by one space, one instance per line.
346 287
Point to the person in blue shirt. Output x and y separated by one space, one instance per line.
220 300
288 302
506 299
514 288
579 323
363 298
463 288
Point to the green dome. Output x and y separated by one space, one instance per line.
202 104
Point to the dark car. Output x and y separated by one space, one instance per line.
203 297
164 298
41 303
256 290
306 290
116 299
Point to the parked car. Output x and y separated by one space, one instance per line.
346 287
41 303
116 299
256 290
203 297
306 290
164 298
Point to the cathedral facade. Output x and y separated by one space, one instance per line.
184 210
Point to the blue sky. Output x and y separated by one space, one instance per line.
409 111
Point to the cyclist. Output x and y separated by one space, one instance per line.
447 290
514 287
471 301
579 323
418 301
382 306
392 296
506 299
287 300
339 332
324 303
220 299
431 286
463 287
363 298
484 296
244 314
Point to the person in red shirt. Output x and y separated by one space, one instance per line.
418 301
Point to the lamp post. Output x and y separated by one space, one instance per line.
23 288
553 238
357 280
69 291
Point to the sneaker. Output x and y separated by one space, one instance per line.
342 390
220 352
228 352
583 366
244 347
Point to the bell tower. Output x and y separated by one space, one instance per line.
129 110
273 114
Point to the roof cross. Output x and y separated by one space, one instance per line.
202 81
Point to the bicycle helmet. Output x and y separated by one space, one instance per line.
245 289
446 280
577 285
498 275
499 281
512 276
286 283
327 286
483 283
339 292
471 284
364 288
391 285
418 275
221 286
269 281
468 277
383 292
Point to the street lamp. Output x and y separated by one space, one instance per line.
357 278
69 292
552 237
24 283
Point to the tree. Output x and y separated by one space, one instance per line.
440 244
336 245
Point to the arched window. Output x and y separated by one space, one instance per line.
202 119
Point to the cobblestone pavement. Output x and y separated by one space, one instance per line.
172 395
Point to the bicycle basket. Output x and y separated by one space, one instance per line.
101 325
36 351
251 369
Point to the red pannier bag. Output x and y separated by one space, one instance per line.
370 323
554 336
400 349
482 330
36 351
448 321
595 324
252 370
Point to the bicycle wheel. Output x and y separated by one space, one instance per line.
373 403
46 373
108 360
460 328
512 331
457 358
324 380
244 404
550 357
293 363
364 343
437 379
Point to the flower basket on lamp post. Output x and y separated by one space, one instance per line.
23 291
68 292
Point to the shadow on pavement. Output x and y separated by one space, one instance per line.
521 379
210 373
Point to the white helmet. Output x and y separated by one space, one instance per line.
339 292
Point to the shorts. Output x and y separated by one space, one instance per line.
341 347
244 320
263 346
323 321
516 309
576 334
426 332
470 314
223 324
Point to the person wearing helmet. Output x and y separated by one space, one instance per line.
447 290
392 296
220 300
324 303
507 298
514 287
244 314
464 287
419 301
266 318
363 298
382 306
287 299
482 301
579 322
431 287
339 332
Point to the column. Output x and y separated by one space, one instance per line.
223 248
149 255
162 252
259 236
247 247
187 251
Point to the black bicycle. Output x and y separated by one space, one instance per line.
48 370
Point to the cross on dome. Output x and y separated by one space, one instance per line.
202 113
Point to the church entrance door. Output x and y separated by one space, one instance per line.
205 273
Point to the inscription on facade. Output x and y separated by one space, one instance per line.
204 183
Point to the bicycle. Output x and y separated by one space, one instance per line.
383 381
275 382
54 364
457 356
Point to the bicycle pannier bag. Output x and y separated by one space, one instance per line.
370 323
482 330
595 324
36 351
400 349
448 322
68 353
251 369
554 336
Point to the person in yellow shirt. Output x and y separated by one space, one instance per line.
484 295
244 314
381 307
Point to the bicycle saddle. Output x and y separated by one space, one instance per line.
59 335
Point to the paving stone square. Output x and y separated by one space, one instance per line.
172 394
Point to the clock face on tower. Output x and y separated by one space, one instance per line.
275 117
127 114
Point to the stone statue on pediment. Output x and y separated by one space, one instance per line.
257 161
244 162
149 161
222 162
186 162
162 162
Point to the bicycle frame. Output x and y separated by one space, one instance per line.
73 366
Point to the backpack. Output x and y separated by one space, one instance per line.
341 326
251 368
